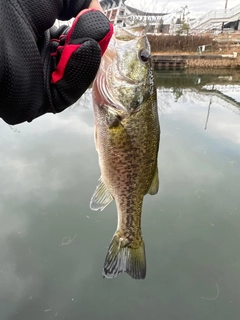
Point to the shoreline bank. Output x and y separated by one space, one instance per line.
182 60
193 60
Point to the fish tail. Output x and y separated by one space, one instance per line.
124 258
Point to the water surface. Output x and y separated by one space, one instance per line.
52 246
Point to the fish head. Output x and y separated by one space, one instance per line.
125 77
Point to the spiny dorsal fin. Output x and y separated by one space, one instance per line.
155 184
101 197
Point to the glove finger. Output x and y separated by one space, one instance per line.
75 72
91 23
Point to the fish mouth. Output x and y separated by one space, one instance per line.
120 82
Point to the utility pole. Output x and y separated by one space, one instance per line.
226 3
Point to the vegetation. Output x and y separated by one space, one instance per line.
183 21
188 45
178 43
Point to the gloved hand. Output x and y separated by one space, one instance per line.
42 68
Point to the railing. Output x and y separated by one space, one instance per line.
224 14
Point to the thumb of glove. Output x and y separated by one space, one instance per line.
79 58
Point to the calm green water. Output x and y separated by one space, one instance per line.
52 246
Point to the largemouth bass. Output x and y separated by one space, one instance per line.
127 138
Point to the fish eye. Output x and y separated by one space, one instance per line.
144 55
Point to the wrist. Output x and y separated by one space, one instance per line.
94 4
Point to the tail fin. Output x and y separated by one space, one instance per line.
121 259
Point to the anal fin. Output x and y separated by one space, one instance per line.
101 197
155 184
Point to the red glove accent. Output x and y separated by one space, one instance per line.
90 24
65 57
105 41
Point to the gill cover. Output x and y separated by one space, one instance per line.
124 72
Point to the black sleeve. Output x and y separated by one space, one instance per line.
22 26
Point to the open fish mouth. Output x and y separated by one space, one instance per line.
122 78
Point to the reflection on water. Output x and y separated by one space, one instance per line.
52 246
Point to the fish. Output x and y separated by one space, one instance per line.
127 135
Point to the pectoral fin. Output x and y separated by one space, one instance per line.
155 184
101 197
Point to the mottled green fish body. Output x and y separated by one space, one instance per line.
127 139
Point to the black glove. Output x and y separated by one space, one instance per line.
42 68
